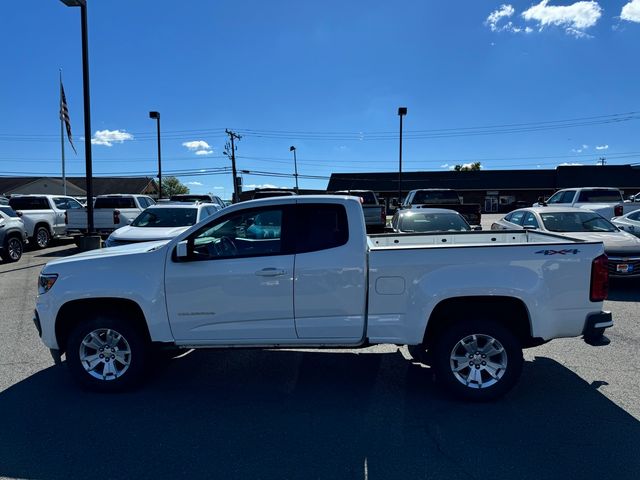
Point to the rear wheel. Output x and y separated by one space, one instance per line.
13 249
477 360
42 237
107 353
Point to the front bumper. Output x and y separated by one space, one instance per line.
594 327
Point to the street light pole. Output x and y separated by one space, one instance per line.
156 115
402 111
87 110
295 166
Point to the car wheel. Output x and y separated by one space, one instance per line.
107 354
42 237
477 360
13 249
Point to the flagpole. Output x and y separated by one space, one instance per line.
64 178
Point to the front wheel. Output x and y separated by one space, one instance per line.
13 249
477 360
107 354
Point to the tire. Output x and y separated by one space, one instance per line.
127 347
493 370
41 237
13 248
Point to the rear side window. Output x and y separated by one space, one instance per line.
320 227
29 203
634 215
597 196
114 202
515 217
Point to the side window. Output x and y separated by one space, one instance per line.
530 221
634 216
72 203
143 202
320 227
61 203
250 233
567 197
516 217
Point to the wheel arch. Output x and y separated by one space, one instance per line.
509 311
74 312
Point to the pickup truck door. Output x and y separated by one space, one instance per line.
237 283
330 274
60 205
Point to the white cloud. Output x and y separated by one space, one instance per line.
197 184
602 147
109 137
263 185
218 188
444 165
631 11
574 18
199 147
494 18
566 164
580 149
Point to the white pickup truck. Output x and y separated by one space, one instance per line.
44 216
300 272
110 212
605 201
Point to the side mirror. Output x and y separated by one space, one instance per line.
476 228
529 227
182 250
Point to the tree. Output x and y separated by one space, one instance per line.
468 167
173 186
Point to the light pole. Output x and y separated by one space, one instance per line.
87 110
156 115
295 165
402 111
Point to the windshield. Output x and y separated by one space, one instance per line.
435 197
8 211
166 217
576 222
432 222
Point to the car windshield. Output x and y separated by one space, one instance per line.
435 197
432 222
576 222
166 217
10 212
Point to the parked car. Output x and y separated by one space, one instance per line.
110 212
629 222
443 198
4 200
161 222
419 220
375 214
44 216
606 201
13 235
198 197
467 303
622 248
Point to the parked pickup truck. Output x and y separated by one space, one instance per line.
606 201
109 213
44 216
375 215
443 198
300 272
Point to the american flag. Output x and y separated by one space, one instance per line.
64 116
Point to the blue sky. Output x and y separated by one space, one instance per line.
326 77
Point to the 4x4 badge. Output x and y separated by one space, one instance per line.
569 251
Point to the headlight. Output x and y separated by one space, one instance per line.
46 281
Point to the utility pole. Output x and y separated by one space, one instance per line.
402 111
603 161
233 137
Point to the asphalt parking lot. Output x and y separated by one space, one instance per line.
315 414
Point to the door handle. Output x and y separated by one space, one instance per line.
270 272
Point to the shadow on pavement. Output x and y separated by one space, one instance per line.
624 290
281 415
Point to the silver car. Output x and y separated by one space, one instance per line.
629 222
419 220
622 248
13 235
